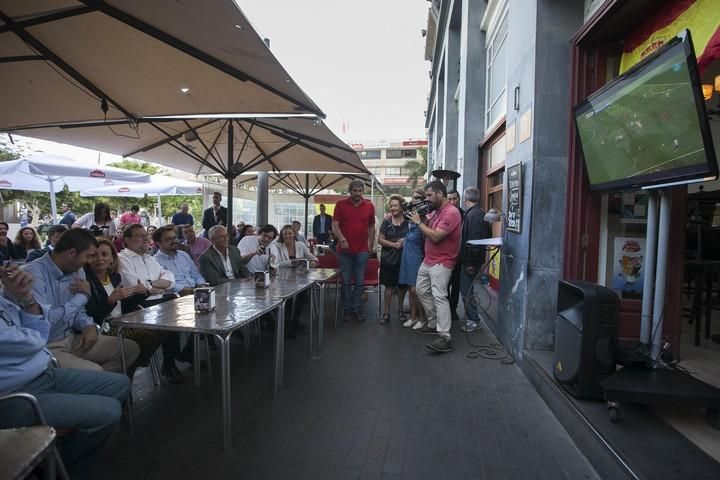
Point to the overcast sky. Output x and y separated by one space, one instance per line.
361 61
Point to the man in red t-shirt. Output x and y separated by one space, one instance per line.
131 217
354 226
442 229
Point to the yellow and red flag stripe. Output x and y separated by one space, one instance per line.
701 17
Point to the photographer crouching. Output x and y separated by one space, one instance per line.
442 229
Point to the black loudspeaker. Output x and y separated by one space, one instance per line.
586 332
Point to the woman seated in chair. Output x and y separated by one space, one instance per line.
286 252
108 298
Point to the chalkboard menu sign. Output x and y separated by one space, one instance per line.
514 198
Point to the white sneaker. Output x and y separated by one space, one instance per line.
469 326
418 325
408 323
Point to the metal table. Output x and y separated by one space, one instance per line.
22 449
231 313
237 304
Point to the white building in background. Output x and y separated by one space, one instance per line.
387 160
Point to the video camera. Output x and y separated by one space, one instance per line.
99 231
422 207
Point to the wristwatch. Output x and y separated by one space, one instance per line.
25 304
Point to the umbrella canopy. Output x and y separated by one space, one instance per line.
50 173
200 146
158 185
68 62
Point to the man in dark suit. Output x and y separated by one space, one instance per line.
215 215
221 262
322 224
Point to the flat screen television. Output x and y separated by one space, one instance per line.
648 128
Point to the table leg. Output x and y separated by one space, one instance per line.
196 358
122 351
129 401
279 347
226 399
312 318
337 300
321 315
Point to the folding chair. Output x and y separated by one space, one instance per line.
57 466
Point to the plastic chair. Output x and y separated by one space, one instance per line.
372 280
40 420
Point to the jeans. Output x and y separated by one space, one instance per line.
469 295
432 290
352 266
87 401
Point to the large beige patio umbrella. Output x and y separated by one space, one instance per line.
108 74
68 62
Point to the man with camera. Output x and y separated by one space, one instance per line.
442 229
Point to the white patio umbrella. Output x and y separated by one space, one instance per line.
50 173
158 185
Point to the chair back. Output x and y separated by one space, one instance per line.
372 273
327 261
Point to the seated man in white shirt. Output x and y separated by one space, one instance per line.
139 268
221 262
255 248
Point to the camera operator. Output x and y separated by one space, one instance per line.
442 229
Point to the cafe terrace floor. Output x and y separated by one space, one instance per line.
376 404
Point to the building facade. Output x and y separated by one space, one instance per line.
505 77
388 161
499 103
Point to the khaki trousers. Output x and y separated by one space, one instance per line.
103 355
432 290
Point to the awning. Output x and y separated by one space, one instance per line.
158 185
67 62
50 173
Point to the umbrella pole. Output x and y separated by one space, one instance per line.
307 198
159 210
228 175
53 203
262 217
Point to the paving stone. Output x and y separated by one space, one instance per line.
376 405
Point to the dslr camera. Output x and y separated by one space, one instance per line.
98 231
422 207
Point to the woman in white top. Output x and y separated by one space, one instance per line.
287 249
285 252
100 218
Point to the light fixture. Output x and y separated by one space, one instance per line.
707 91
191 136
717 83
184 90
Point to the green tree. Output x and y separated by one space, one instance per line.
417 169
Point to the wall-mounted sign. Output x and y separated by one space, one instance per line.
525 126
514 198
510 137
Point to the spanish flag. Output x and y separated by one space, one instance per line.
701 17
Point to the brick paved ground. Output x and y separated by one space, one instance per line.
376 405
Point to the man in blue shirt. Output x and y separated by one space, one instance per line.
68 217
182 217
169 255
61 290
87 401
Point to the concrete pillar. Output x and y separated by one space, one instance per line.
262 198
